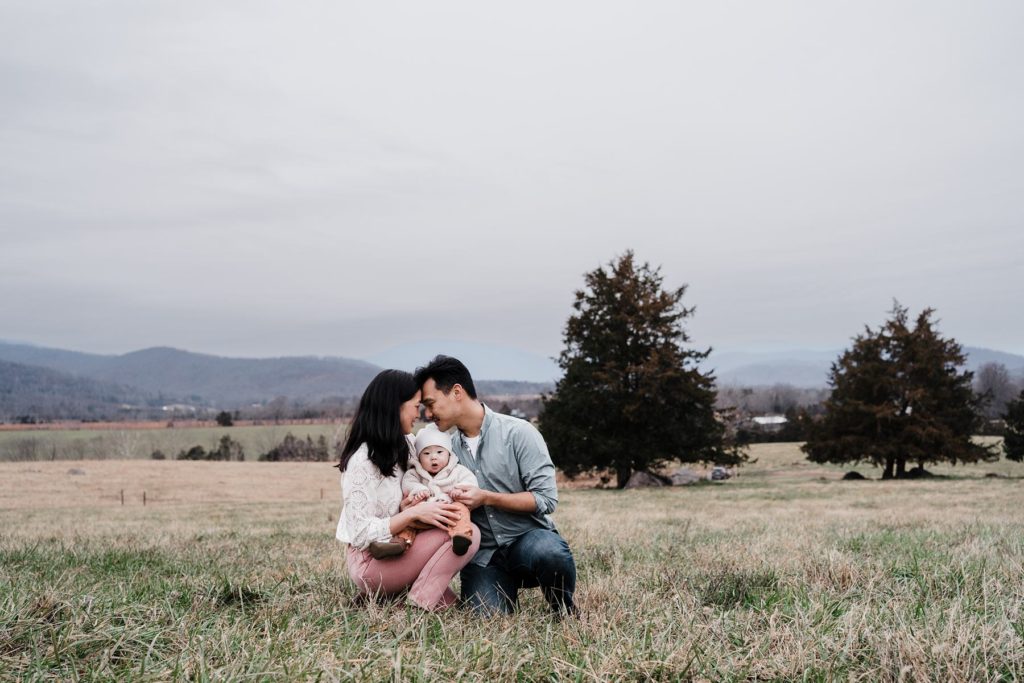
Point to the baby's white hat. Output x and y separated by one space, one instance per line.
432 436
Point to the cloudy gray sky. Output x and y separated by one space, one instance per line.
338 178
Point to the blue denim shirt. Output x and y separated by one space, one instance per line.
511 457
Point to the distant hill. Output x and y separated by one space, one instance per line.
183 376
483 360
73 384
503 387
977 357
41 393
810 369
201 377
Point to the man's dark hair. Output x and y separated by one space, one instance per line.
446 373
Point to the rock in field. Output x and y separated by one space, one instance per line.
683 477
644 479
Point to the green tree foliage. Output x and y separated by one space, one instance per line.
1013 441
631 397
899 396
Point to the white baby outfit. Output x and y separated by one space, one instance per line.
438 485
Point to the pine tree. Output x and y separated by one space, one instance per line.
631 397
1013 441
899 396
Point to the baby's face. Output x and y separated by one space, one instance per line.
434 458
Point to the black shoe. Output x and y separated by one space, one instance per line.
460 544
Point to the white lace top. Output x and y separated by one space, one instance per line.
368 501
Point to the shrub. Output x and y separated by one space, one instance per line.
293 449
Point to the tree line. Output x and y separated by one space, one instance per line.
632 395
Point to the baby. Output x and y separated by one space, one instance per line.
431 476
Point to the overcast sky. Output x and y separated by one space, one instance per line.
338 178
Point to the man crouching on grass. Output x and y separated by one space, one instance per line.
519 546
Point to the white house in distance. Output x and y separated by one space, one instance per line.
770 423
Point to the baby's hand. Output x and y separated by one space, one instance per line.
420 496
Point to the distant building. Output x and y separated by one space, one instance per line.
769 423
178 408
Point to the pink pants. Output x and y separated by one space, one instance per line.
426 569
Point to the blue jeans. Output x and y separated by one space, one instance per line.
537 558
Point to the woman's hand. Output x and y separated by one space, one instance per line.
441 515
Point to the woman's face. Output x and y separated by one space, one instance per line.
408 413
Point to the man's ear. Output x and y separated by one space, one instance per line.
457 392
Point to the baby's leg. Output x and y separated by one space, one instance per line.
462 531
406 535
381 550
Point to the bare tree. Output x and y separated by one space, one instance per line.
127 444
993 380
277 409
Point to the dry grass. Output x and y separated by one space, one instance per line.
98 483
785 573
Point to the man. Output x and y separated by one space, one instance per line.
519 546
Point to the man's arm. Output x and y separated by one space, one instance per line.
538 478
474 496
536 469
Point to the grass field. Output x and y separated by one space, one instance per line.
129 443
231 572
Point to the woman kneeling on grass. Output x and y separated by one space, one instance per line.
376 452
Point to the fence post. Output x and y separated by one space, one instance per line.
143 499
122 496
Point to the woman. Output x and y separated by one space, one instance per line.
373 459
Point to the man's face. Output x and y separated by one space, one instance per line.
434 458
441 408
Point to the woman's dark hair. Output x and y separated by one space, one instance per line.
377 422
446 373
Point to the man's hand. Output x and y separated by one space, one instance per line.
470 496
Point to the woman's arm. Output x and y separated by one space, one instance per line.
359 493
441 515
359 489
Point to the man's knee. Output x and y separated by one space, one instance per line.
484 591
545 551
488 602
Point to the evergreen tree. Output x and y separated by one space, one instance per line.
1013 441
631 397
899 396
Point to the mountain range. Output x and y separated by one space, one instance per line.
810 369
67 381
73 383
